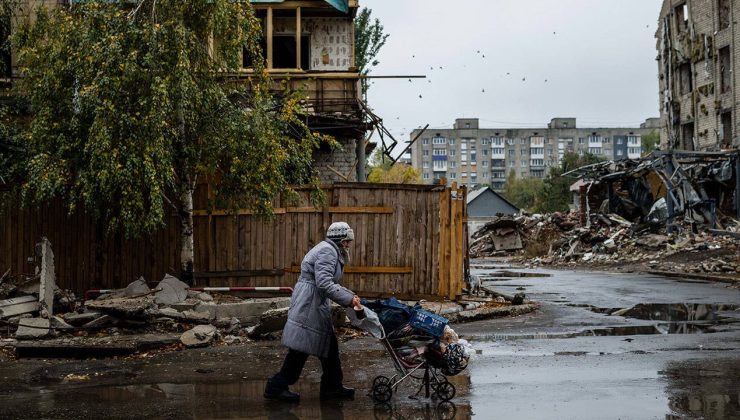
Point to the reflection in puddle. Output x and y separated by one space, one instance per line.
236 400
706 389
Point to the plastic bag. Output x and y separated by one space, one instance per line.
370 323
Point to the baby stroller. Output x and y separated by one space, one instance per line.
417 352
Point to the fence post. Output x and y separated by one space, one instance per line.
444 242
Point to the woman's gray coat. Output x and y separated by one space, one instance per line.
309 328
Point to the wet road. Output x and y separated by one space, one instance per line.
674 354
668 350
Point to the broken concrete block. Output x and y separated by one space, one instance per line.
32 328
135 288
173 291
47 278
83 318
18 306
123 307
200 336
248 312
100 322
59 323
186 316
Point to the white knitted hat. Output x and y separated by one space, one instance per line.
340 231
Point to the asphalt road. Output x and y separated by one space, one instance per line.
673 354
676 354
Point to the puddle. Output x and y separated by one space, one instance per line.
228 400
513 274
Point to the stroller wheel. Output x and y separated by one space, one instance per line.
445 391
381 380
382 392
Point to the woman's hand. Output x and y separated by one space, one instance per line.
356 303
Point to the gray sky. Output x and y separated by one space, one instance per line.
516 63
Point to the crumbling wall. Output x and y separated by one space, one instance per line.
337 165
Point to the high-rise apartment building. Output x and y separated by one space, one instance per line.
471 155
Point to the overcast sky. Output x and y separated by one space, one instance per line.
516 63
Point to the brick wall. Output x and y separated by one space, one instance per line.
340 160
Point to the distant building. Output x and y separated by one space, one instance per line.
471 155
698 74
484 204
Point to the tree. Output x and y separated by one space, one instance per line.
131 105
555 192
382 170
650 142
522 192
369 39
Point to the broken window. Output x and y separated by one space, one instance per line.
726 134
687 131
283 24
682 17
724 70
723 10
687 83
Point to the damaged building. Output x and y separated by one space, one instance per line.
697 62
308 46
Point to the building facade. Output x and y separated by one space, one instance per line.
309 47
471 155
697 60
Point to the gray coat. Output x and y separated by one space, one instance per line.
309 328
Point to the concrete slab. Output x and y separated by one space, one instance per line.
135 288
33 328
172 291
18 306
47 284
83 318
247 312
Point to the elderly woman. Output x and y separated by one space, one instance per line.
309 330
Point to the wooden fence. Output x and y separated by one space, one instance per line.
409 243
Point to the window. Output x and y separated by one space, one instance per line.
498 141
549 152
687 136
439 140
634 140
483 142
472 157
687 83
425 165
634 150
723 10
682 17
524 162
594 150
512 163
536 141
498 150
620 140
453 164
537 150
426 153
522 141
607 140
724 70
425 141
463 156
453 175
451 152
510 141
485 175
485 163
463 145
467 125
620 152
538 162
472 143
451 142
511 152
474 178
485 152
581 140
464 174
426 175
726 127
440 152
440 165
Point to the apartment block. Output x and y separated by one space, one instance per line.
697 60
469 154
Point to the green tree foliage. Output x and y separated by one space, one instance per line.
650 142
383 171
131 105
369 39
555 192
522 192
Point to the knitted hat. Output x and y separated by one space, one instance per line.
340 231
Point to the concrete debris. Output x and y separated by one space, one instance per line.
99 322
18 306
172 291
58 323
200 336
134 307
136 288
33 328
81 319
47 278
248 312
185 316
